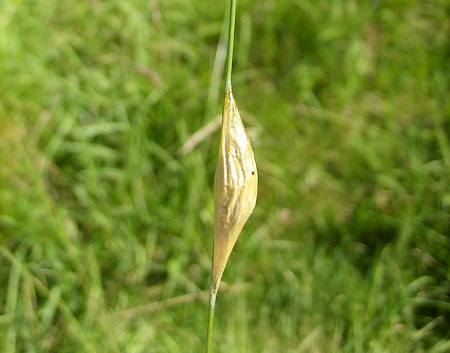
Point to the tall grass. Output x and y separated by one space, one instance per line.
105 229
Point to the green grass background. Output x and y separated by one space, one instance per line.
106 229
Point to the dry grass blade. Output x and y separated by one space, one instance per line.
199 136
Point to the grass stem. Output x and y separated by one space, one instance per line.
230 43
212 306
214 287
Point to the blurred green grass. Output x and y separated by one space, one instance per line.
106 230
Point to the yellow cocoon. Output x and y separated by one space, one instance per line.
235 187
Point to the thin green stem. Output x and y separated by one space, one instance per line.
230 43
214 287
212 306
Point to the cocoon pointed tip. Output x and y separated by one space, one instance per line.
235 186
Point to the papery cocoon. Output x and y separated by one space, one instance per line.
235 186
